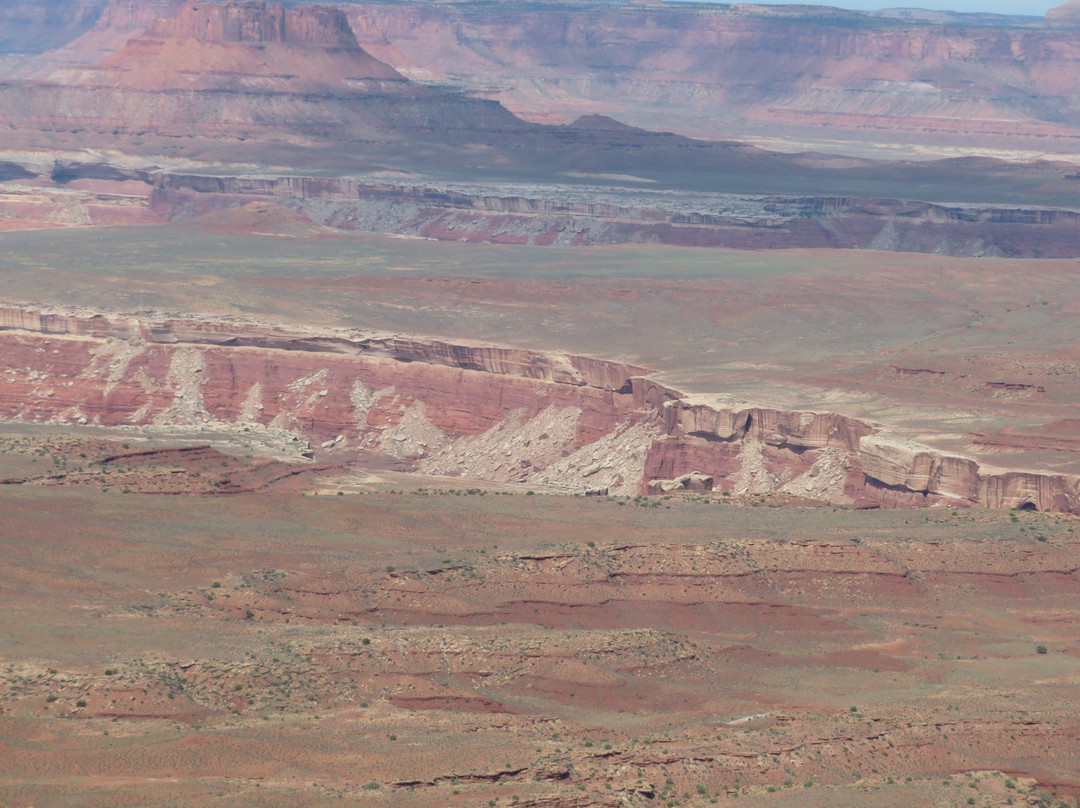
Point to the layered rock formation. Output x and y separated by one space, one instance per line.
221 74
579 218
73 193
805 73
474 410
33 27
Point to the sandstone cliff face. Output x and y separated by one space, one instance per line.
789 446
300 47
257 23
504 414
713 71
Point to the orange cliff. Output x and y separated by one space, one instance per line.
461 409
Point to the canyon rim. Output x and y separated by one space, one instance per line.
564 404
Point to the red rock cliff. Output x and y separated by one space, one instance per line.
477 410
257 23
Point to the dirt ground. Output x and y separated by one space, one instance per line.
426 642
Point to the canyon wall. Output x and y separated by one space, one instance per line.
247 75
472 410
88 193
718 71
740 222
796 452
259 23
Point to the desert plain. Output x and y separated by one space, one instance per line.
363 443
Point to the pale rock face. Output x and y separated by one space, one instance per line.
1066 15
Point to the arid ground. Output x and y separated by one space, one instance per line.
374 639
323 483
193 621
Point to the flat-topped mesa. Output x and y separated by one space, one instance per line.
257 23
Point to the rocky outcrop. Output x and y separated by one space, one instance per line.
1067 15
504 414
558 368
782 450
693 481
258 23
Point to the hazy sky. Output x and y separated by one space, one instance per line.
1033 7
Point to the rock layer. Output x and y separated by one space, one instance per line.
707 70
233 73
561 215
452 408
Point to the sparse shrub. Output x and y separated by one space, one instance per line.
51 698
80 703
248 614
1040 649
110 671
